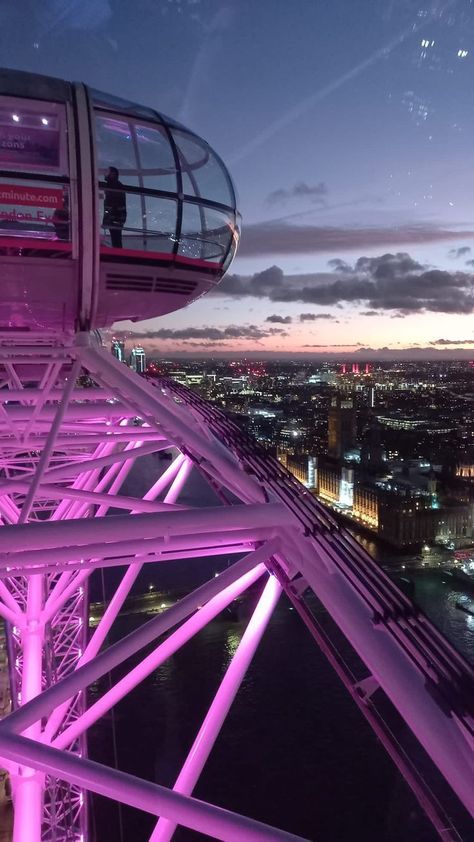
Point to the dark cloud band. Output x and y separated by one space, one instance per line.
394 282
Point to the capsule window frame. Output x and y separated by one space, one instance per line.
136 121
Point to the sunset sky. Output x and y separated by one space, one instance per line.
348 128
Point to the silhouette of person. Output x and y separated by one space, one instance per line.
115 207
61 219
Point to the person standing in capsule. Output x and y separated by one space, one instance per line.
115 207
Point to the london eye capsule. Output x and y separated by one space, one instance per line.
108 209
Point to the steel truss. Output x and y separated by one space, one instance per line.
73 423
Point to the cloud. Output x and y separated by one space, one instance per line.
330 345
460 252
388 282
469 262
370 313
205 335
339 265
312 317
446 342
316 193
279 320
281 237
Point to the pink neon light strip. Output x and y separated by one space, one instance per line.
222 702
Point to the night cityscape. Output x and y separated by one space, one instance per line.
389 446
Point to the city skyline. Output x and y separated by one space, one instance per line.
347 131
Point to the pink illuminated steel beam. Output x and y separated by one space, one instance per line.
143 795
222 702
91 479
143 396
95 498
13 617
150 558
34 395
28 785
47 382
120 474
125 552
173 475
66 472
165 650
75 412
182 467
49 444
54 605
110 658
155 659
8 599
206 521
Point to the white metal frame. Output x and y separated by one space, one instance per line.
69 436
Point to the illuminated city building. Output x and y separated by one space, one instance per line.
429 425
466 471
366 505
341 425
138 359
329 481
304 468
118 349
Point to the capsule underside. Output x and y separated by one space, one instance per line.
77 252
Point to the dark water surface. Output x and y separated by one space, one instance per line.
294 752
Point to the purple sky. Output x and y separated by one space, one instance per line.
347 127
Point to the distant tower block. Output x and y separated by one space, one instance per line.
118 349
341 425
138 360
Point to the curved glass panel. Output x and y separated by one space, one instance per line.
160 224
115 146
145 158
206 234
203 173
235 237
156 159
137 222
218 233
116 103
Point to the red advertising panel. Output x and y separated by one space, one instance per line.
42 197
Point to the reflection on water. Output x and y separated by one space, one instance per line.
436 589
437 595
232 643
